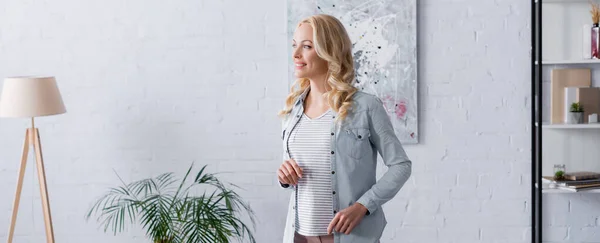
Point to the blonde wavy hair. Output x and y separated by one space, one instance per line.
333 45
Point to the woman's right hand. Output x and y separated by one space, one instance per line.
289 172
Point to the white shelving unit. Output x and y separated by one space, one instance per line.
562 33
561 26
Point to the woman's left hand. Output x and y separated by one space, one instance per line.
345 221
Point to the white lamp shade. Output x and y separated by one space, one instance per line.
30 97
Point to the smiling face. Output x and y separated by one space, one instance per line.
307 63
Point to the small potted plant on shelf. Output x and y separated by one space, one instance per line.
559 175
575 114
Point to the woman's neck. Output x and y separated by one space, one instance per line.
315 95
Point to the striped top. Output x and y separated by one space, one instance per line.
309 146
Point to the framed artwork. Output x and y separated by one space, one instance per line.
383 34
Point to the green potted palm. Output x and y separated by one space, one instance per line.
170 212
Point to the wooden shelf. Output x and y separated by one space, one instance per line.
570 62
572 126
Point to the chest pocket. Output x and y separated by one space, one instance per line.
356 143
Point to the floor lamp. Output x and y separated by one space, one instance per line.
31 97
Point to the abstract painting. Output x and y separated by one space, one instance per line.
383 33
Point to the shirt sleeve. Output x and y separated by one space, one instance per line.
288 186
394 157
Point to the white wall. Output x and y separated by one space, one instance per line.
151 86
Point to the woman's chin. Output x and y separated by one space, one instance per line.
299 75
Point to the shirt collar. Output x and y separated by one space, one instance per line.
301 98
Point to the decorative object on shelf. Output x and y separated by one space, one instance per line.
570 98
559 175
559 172
593 118
595 31
589 98
561 78
586 42
575 114
31 97
197 208
595 41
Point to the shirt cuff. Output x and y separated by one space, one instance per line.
284 185
371 207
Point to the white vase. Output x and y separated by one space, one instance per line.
586 42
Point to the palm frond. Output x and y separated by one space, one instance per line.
114 208
170 214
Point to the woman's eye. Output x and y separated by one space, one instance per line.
307 46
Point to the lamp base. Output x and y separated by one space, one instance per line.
32 138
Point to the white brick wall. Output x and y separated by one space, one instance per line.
151 86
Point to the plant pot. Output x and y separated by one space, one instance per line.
575 118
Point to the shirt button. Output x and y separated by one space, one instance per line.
332 172
359 136
333 116
332 134
333 192
297 115
332 152
334 212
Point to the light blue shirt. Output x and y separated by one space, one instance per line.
354 145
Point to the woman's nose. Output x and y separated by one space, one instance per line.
296 53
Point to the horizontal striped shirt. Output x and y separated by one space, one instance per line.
309 146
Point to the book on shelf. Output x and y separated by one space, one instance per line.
550 179
561 78
581 175
575 181
588 97
577 188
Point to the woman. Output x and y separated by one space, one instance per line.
331 135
